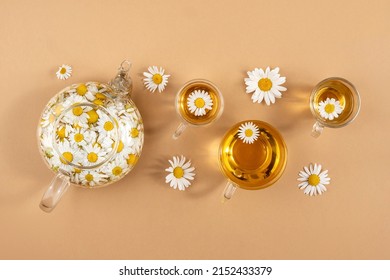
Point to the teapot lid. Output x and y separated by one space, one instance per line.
88 123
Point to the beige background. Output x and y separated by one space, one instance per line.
141 217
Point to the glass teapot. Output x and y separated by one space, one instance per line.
90 134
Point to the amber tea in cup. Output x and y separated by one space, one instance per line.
341 91
255 165
199 102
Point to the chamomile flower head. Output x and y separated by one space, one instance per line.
313 179
265 85
64 72
180 173
248 132
93 154
198 102
78 116
330 108
155 79
68 154
106 125
81 136
117 168
92 178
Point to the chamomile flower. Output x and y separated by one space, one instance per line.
78 116
134 138
63 132
155 79
93 154
180 173
330 108
64 72
81 136
248 132
48 119
72 100
265 85
198 102
123 151
106 125
312 180
117 168
68 153
92 178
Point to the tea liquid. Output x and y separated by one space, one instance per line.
186 113
257 165
339 91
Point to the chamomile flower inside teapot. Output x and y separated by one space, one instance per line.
90 134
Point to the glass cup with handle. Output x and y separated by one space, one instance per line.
335 103
199 102
252 156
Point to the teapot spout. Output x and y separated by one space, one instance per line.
122 83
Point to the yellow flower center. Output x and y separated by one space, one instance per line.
157 79
76 170
117 170
265 84
61 132
132 159
178 172
329 108
63 70
77 111
134 132
58 109
92 116
68 156
98 102
314 180
108 126
120 147
100 96
89 177
81 90
78 137
92 157
52 118
248 132
199 102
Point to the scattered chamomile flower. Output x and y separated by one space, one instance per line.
265 85
312 180
330 108
198 102
248 132
155 78
64 72
180 173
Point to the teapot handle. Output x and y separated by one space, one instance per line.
58 186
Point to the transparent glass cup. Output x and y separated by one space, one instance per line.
251 166
198 103
340 90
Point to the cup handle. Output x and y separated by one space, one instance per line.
179 130
317 130
229 191
54 192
